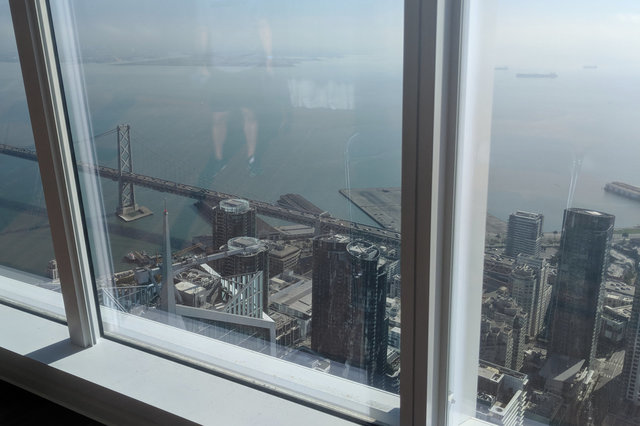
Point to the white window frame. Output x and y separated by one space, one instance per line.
437 101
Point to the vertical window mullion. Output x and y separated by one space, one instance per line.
468 193
51 135
430 120
409 378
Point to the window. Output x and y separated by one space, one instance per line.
26 251
227 148
445 137
559 316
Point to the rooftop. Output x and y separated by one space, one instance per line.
336 238
283 250
363 250
489 373
296 230
251 244
529 215
235 205
588 212
296 296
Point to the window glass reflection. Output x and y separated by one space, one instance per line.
559 315
249 163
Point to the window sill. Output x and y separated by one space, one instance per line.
115 383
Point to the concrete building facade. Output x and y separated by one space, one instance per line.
529 282
524 234
503 330
282 257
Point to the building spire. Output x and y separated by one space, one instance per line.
167 294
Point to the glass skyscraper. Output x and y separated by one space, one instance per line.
349 298
579 289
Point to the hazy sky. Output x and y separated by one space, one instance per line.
544 34
562 34
168 27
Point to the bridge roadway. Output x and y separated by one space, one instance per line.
327 223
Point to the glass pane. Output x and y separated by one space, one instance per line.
249 162
559 326
26 251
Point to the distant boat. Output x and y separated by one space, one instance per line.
589 67
503 68
537 75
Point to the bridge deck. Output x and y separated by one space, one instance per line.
326 223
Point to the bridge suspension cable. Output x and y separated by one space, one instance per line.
108 132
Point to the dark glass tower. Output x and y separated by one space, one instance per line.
579 289
233 218
348 323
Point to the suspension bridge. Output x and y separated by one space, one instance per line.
127 179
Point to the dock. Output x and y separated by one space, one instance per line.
380 204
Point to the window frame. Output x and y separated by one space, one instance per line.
40 70
435 42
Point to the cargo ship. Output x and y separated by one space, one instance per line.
537 75
623 189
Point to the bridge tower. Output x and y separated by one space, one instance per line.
127 209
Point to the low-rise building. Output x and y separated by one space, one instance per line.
294 301
282 257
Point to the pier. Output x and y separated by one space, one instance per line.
624 189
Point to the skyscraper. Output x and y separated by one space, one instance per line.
255 259
579 289
524 234
630 374
233 218
503 329
349 297
529 283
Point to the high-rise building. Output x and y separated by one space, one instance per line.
630 374
233 218
254 259
348 322
330 296
524 234
578 292
503 330
529 283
